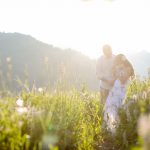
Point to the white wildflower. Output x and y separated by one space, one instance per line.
40 90
135 97
8 59
19 102
21 110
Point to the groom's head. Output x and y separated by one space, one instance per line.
107 51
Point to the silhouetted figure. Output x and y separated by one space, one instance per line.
104 72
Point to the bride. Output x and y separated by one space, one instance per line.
122 71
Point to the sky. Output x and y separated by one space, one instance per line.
83 25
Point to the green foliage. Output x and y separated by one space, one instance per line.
44 119
67 120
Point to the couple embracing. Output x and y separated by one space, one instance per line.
114 73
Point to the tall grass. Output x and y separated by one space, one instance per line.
66 120
40 118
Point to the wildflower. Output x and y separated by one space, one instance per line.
40 90
8 59
135 97
19 102
22 110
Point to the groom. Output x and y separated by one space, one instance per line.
104 72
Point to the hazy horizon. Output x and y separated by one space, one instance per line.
81 25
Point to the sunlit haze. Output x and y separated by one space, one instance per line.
83 25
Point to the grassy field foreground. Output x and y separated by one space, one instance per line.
69 120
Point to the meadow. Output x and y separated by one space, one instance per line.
42 119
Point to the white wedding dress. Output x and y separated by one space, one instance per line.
113 103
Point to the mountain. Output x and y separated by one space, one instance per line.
27 59
24 57
141 62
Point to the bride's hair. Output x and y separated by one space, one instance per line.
121 60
